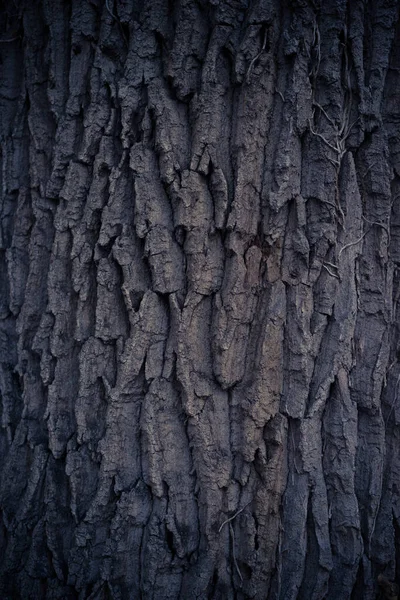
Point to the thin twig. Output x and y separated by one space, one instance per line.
325 113
297 469
369 168
330 272
109 10
343 131
353 243
394 200
377 223
234 516
334 162
10 40
256 57
346 135
347 106
331 264
117 21
323 139
329 203
317 45
341 213
234 552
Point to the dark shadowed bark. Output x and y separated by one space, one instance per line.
200 284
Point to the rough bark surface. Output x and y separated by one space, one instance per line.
200 284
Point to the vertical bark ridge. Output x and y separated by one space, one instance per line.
199 370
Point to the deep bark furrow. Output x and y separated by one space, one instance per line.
199 296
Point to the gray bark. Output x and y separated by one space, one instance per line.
199 331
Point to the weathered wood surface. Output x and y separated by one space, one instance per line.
199 266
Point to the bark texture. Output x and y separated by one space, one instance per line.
200 284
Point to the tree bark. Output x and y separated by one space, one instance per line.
199 333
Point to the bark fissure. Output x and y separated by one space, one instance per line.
199 298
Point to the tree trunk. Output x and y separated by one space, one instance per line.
199 262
